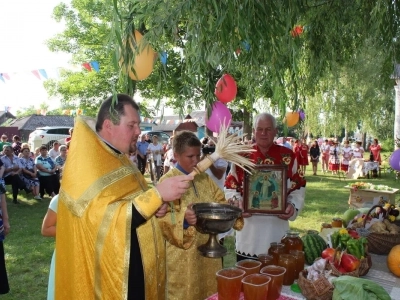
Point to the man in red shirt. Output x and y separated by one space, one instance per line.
261 230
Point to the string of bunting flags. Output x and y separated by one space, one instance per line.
157 121
42 74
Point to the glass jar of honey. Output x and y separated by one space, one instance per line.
300 261
265 260
325 225
275 250
292 241
289 263
337 223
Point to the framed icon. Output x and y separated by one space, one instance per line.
265 190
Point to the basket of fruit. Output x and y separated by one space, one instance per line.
379 228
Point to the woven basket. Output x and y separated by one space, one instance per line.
381 243
362 270
320 289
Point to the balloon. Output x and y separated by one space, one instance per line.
144 60
394 160
292 118
220 114
302 115
226 88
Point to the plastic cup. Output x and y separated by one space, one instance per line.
229 283
250 266
275 286
255 286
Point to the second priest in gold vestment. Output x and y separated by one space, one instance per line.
190 276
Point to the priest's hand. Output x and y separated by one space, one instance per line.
162 211
288 212
190 215
173 188
239 203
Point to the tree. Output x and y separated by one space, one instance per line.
322 69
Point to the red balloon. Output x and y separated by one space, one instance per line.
226 88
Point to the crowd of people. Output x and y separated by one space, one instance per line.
334 157
36 172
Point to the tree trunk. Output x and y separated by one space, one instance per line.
247 123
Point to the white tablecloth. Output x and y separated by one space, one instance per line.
358 168
369 166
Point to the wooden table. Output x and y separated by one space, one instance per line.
368 198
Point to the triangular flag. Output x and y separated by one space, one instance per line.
6 76
163 57
87 66
36 73
95 65
43 73
1 78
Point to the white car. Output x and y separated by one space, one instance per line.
47 136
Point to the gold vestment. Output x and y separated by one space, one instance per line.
94 219
190 276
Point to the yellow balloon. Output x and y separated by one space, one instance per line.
292 118
143 62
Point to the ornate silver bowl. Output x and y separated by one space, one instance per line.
212 219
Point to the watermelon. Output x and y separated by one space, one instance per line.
313 245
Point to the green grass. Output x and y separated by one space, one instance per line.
28 254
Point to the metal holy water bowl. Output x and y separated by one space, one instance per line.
213 219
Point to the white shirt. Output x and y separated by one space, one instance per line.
156 157
54 153
358 152
169 159
287 145
219 164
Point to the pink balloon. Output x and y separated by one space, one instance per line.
220 114
226 88
394 160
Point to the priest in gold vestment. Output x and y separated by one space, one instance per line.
109 245
190 275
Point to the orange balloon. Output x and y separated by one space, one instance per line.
144 59
292 118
